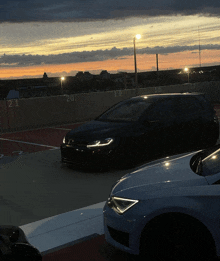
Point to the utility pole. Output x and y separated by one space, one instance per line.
157 61
138 36
199 48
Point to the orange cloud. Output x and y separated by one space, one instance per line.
145 62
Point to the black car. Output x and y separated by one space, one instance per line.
14 245
140 128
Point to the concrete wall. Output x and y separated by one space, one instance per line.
29 113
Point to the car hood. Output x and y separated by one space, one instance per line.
165 173
100 129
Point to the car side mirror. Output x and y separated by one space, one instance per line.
22 251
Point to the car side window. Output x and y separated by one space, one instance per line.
162 110
126 111
204 103
187 105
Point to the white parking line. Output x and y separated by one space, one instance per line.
60 129
30 143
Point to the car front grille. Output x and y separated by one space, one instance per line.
74 143
119 236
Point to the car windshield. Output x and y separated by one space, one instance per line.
207 162
125 111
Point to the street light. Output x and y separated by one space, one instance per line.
62 79
138 36
187 71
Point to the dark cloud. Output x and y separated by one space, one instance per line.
82 10
101 55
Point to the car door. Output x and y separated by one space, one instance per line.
160 126
188 119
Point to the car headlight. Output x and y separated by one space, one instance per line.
120 205
100 143
64 140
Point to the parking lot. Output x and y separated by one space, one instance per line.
32 174
35 185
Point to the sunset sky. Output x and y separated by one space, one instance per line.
64 37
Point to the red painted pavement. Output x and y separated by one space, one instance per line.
96 249
10 148
42 139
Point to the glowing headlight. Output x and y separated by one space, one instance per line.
64 140
100 143
120 205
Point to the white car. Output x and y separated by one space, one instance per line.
168 209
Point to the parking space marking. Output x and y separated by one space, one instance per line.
19 152
30 143
60 129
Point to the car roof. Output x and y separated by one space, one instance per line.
166 95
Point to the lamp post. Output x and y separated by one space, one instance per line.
187 71
62 79
138 36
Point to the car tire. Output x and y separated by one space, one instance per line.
176 242
210 139
210 142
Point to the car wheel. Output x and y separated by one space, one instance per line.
210 142
212 137
175 241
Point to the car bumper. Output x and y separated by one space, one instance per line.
121 231
87 157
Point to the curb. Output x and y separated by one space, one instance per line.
67 229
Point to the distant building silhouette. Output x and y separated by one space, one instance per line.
79 75
105 75
88 76
84 76
45 76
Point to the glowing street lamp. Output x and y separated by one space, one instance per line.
187 71
62 79
138 36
